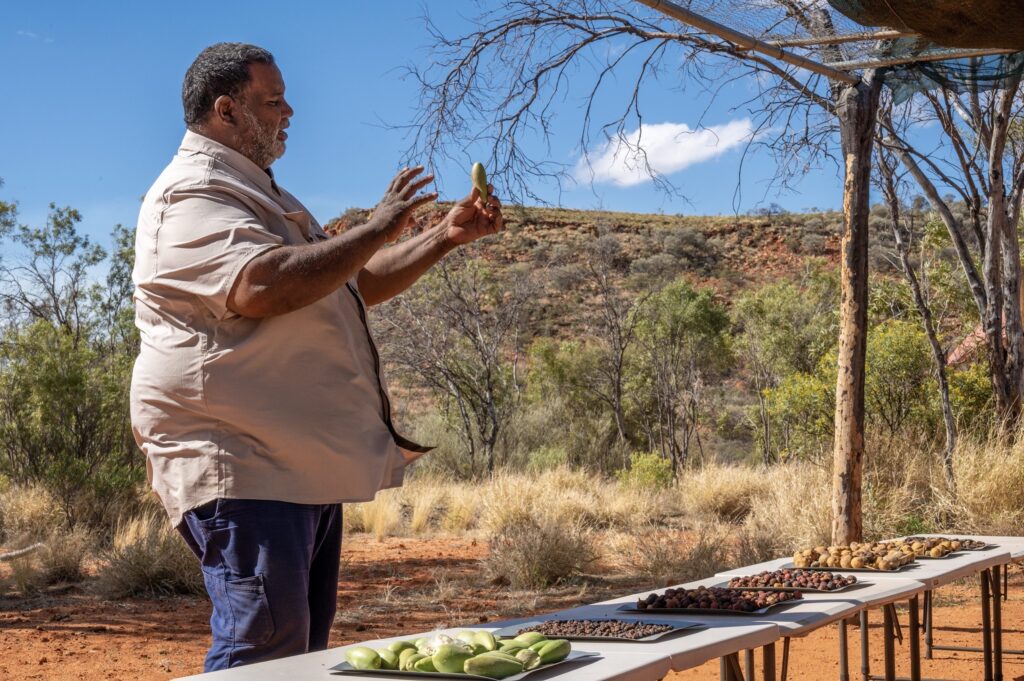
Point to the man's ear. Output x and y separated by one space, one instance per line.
224 110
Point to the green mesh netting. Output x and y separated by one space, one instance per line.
951 24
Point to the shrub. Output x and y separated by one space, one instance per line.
722 492
795 506
539 552
148 557
649 471
63 555
546 459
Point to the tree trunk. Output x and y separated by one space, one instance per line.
857 109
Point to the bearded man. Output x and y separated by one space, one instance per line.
257 396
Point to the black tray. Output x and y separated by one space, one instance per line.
631 607
795 589
986 547
901 568
677 626
345 668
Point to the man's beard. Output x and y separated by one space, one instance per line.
259 142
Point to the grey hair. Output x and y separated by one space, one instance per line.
220 69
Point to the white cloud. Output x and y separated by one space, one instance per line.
28 34
665 147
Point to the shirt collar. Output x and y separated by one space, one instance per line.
194 142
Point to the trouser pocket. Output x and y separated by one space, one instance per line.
241 611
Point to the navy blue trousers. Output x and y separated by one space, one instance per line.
271 570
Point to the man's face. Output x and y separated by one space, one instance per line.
264 115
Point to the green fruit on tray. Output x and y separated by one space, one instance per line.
511 647
425 664
363 658
403 657
554 651
486 640
449 659
529 658
410 662
529 638
388 659
493 666
398 646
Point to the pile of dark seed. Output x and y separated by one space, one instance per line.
716 598
598 629
794 579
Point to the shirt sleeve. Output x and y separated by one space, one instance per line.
206 236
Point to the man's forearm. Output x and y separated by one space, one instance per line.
291 277
394 269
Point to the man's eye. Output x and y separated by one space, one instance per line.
274 102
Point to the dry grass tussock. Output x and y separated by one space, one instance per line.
27 514
794 508
539 552
148 557
722 492
669 556
989 496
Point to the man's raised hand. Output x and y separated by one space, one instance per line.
470 219
394 212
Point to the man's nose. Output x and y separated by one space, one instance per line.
288 110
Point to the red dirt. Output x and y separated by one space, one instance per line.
405 586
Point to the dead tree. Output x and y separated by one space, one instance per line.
985 170
496 86
889 184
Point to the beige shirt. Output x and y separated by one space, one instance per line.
289 408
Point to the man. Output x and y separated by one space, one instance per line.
257 394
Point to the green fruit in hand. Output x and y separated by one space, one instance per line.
449 659
363 658
485 639
388 659
493 666
425 664
555 651
479 177
529 658
403 657
528 638
398 646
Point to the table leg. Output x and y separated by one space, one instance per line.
723 670
844 662
735 673
986 624
865 655
928 620
997 624
768 660
785 658
748 665
915 641
890 644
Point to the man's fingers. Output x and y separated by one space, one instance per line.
405 176
416 186
417 201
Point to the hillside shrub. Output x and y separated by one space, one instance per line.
647 470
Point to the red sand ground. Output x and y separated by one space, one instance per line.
406 586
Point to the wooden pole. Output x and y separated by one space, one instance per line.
747 42
857 109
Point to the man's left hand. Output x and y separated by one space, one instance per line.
470 219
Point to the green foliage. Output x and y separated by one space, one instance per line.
63 419
898 383
801 411
647 471
65 363
970 392
546 459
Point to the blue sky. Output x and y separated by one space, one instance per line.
93 109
